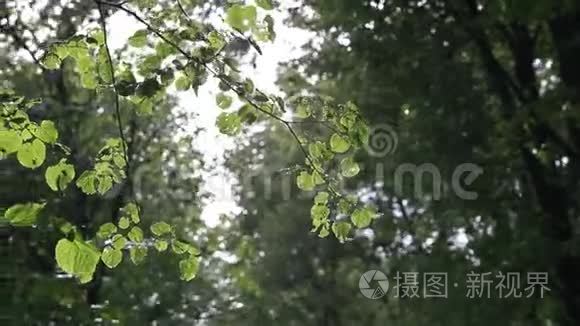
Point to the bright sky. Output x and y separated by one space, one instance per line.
211 143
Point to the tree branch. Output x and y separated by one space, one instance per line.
124 142
221 78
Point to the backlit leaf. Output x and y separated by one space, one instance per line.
349 168
138 254
305 181
241 17
9 141
23 214
77 258
59 176
339 144
229 123
341 230
160 228
188 268
111 257
32 155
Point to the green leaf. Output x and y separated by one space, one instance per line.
344 206
321 197
363 217
349 168
132 211
270 27
32 155
265 4
136 234
106 230
241 17
362 132
125 88
47 132
111 257
98 35
87 182
223 101
319 150
149 87
188 268
348 119
23 214
124 222
59 176
180 247
319 212
247 114
339 144
77 258
229 123
161 245
182 83
88 80
51 61
105 183
160 228
119 160
119 241
139 39
341 230
324 232
103 67
317 178
248 86
302 111
216 40
138 254
9 141
149 65
305 181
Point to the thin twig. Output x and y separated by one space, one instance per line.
114 81
183 10
124 142
11 30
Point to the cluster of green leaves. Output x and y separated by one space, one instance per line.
73 254
330 160
81 258
28 140
89 55
82 50
109 169
19 135
184 56
244 18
